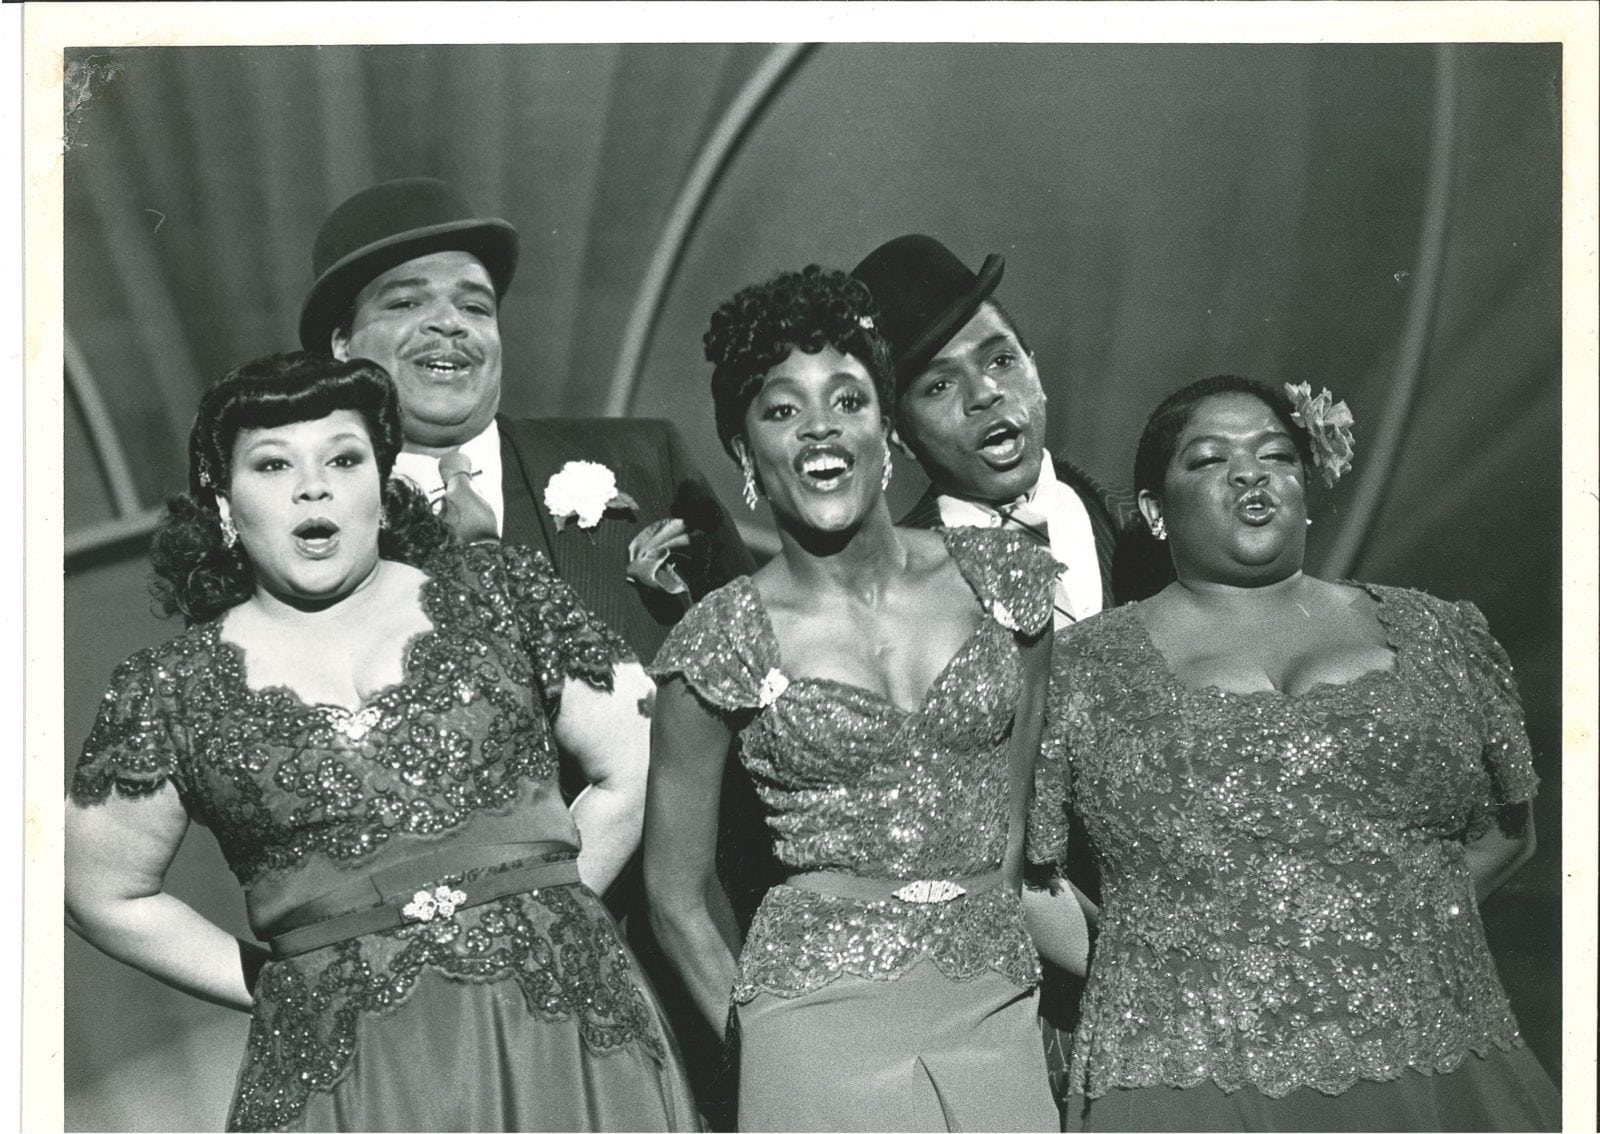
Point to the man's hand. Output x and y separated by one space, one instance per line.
648 554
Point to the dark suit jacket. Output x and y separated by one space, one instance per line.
1110 517
651 466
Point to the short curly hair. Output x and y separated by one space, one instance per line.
1159 441
809 309
199 576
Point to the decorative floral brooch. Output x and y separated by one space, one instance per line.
1332 443
584 491
425 905
772 687
1002 614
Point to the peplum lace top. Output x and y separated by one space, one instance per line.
1286 898
306 799
852 783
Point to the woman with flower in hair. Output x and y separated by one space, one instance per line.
365 714
1299 791
886 688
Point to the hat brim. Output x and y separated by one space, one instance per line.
491 240
914 358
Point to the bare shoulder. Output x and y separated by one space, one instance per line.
925 547
1339 593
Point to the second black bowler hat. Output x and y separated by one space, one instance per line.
383 227
924 295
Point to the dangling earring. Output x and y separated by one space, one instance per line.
750 493
383 519
230 534
888 466
1158 527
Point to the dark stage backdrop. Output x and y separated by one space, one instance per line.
1382 220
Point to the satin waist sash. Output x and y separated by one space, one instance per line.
416 891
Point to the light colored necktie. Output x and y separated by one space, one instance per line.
1027 517
462 508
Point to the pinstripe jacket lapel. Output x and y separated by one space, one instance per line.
525 521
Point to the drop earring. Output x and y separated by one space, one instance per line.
888 466
1158 527
750 493
230 534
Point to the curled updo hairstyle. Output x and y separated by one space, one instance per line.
809 309
1159 441
200 577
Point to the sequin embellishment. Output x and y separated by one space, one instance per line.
853 783
1286 898
440 902
465 734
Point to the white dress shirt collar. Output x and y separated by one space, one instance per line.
1071 534
483 451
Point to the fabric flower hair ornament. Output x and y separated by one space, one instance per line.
582 492
1328 422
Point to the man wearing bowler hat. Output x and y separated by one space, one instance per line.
410 277
407 275
970 409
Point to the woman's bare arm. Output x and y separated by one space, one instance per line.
1027 729
608 734
1501 851
688 909
117 855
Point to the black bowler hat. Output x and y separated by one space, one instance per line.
924 296
383 227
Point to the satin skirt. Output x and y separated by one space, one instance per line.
459 1056
1507 1090
921 1052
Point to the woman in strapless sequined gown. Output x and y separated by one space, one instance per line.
438 960
1299 791
885 687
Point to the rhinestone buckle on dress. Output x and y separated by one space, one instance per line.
925 891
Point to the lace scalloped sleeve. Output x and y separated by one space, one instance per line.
1013 576
136 743
1507 755
715 649
563 637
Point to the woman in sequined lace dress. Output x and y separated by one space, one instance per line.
1299 791
363 713
885 686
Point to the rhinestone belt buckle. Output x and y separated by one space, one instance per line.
925 891
440 902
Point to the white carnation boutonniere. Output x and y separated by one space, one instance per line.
1328 422
584 491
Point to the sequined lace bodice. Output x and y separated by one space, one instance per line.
1286 898
852 783
304 799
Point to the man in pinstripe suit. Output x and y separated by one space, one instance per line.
407 275
970 409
